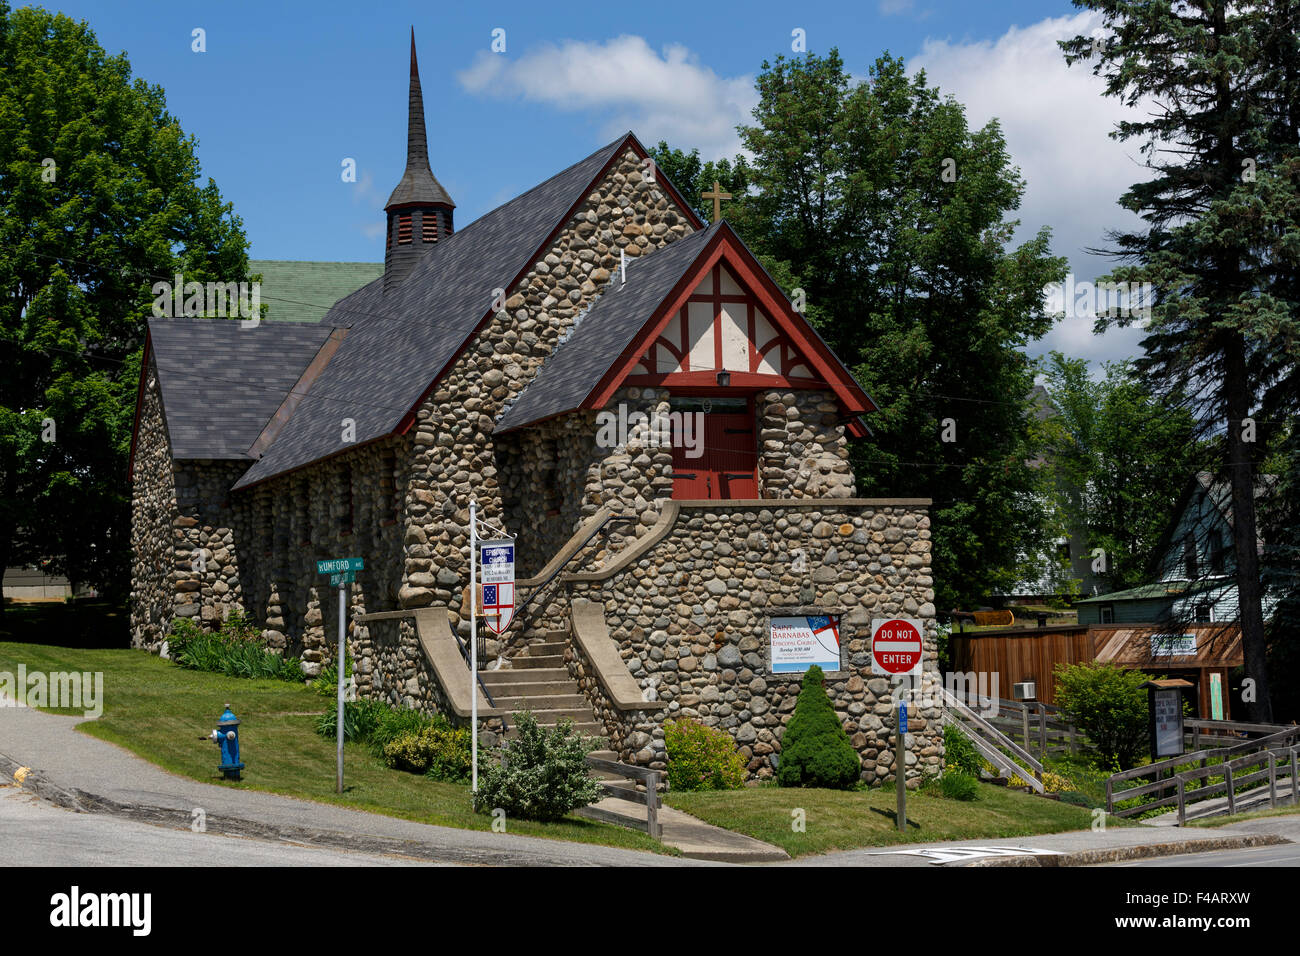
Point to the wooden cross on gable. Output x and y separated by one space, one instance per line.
717 196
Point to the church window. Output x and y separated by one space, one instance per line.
1189 556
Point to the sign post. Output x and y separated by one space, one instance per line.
900 763
473 645
342 572
896 645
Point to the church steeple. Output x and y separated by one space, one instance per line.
419 210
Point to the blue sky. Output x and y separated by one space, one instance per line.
286 91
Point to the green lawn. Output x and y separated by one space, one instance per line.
1239 817
158 710
847 820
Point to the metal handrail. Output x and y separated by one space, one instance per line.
544 583
478 677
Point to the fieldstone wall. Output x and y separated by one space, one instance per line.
690 617
455 453
153 509
803 450
185 563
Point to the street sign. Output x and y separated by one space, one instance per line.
334 565
896 646
902 716
498 564
343 577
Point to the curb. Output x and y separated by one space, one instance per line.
1143 851
80 801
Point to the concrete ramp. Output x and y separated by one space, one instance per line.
442 651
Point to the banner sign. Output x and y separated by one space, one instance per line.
1173 645
797 643
497 566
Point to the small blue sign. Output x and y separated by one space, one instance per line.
902 717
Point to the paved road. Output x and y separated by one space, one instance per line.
34 833
1288 855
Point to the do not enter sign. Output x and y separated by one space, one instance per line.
895 646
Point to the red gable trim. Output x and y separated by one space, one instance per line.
628 141
727 247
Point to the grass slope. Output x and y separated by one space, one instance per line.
158 711
847 820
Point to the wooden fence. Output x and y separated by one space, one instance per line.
1170 786
649 798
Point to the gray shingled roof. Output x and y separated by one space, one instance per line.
221 383
577 366
400 342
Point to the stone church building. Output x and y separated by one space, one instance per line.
527 361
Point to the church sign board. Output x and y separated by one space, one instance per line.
498 581
798 642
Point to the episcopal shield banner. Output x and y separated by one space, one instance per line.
497 567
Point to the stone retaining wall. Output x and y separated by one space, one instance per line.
690 618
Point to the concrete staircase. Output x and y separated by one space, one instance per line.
538 681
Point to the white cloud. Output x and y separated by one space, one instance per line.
1056 123
666 95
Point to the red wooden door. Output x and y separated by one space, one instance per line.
727 467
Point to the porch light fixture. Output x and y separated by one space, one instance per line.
724 378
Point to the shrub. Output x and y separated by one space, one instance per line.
360 718
958 786
438 750
815 750
235 649
540 775
327 681
1076 798
701 758
959 753
1109 705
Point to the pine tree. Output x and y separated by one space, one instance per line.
1214 84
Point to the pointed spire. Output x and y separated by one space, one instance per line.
418 184
417 144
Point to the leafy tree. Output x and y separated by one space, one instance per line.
539 775
98 199
1120 458
1219 251
815 750
878 200
1109 705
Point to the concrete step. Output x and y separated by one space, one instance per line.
525 675
543 649
520 688
539 661
549 716
570 701
586 728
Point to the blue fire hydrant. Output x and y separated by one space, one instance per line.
226 736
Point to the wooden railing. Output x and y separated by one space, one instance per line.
1227 764
1039 727
648 799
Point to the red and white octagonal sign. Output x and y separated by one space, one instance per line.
896 646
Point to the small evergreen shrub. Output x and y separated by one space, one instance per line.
540 775
438 750
815 750
235 649
958 786
702 758
959 753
